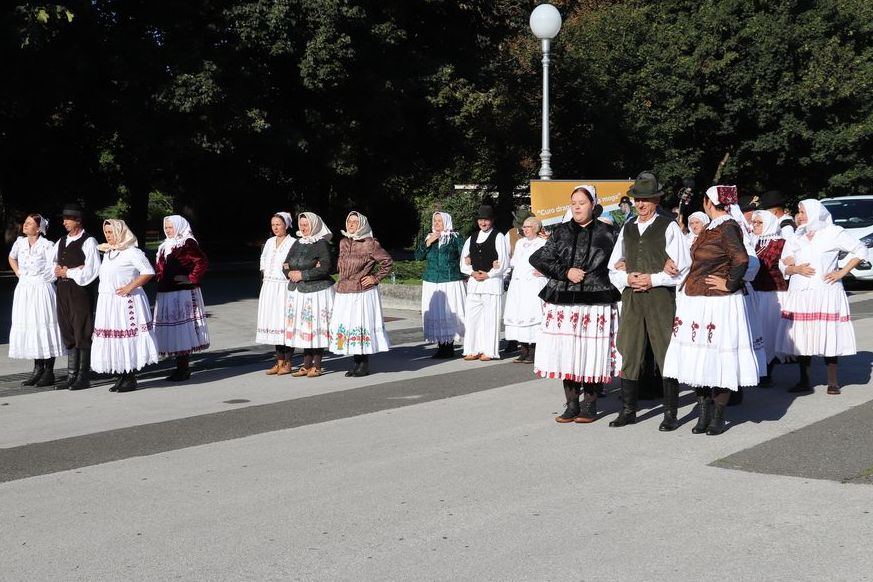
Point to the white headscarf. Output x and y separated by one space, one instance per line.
318 230
770 229
701 216
448 227
364 229
123 237
43 224
817 217
183 233
592 191
286 216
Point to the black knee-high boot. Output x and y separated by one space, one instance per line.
363 368
671 405
128 382
72 369
803 385
720 397
83 375
630 390
704 410
353 371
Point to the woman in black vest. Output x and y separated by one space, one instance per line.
577 338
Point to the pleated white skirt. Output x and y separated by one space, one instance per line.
356 325
577 342
124 335
443 310
35 334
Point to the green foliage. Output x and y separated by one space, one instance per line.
408 272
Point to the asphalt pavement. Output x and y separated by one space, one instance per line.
425 470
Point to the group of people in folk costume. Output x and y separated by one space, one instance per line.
54 312
718 307
300 306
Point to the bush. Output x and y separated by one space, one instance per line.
408 272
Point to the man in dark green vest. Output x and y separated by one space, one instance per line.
648 294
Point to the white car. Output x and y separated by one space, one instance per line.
855 214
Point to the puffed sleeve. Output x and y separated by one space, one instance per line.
141 262
852 245
546 260
48 269
15 250
732 239
384 260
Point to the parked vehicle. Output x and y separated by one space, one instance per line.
855 214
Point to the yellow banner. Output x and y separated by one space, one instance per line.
550 199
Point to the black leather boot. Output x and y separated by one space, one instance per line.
629 394
128 382
363 368
182 371
72 369
114 387
357 359
671 405
531 354
716 427
588 408
83 374
38 368
48 373
704 414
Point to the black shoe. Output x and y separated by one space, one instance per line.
625 417
629 393
128 383
671 405
84 372
72 369
448 350
670 422
531 354
179 375
114 387
802 386
704 414
38 369
48 374
363 368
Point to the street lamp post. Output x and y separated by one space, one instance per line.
545 22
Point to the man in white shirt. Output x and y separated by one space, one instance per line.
485 258
648 293
77 264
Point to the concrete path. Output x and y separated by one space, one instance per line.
425 470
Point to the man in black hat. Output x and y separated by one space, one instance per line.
775 202
623 213
648 295
485 258
77 264
749 204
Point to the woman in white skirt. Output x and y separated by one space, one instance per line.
356 325
524 309
35 334
577 337
180 316
815 316
308 266
769 287
443 293
711 349
124 337
273 299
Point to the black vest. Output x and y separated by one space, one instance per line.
483 255
646 253
71 255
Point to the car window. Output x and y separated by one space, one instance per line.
851 213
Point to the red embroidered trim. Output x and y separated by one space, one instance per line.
816 316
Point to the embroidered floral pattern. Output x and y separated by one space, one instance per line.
586 319
709 328
677 323
694 327
574 320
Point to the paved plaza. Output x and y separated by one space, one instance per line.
425 470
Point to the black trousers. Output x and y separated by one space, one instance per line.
75 314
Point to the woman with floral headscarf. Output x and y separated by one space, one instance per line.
443 293
180 316
815 316
307 267
711 349
35 334
273 299
124 336
769 287
356 323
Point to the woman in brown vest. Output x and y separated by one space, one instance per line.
711 347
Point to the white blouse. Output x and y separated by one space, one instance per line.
822 255
121 267
36 262
272 258
520 262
